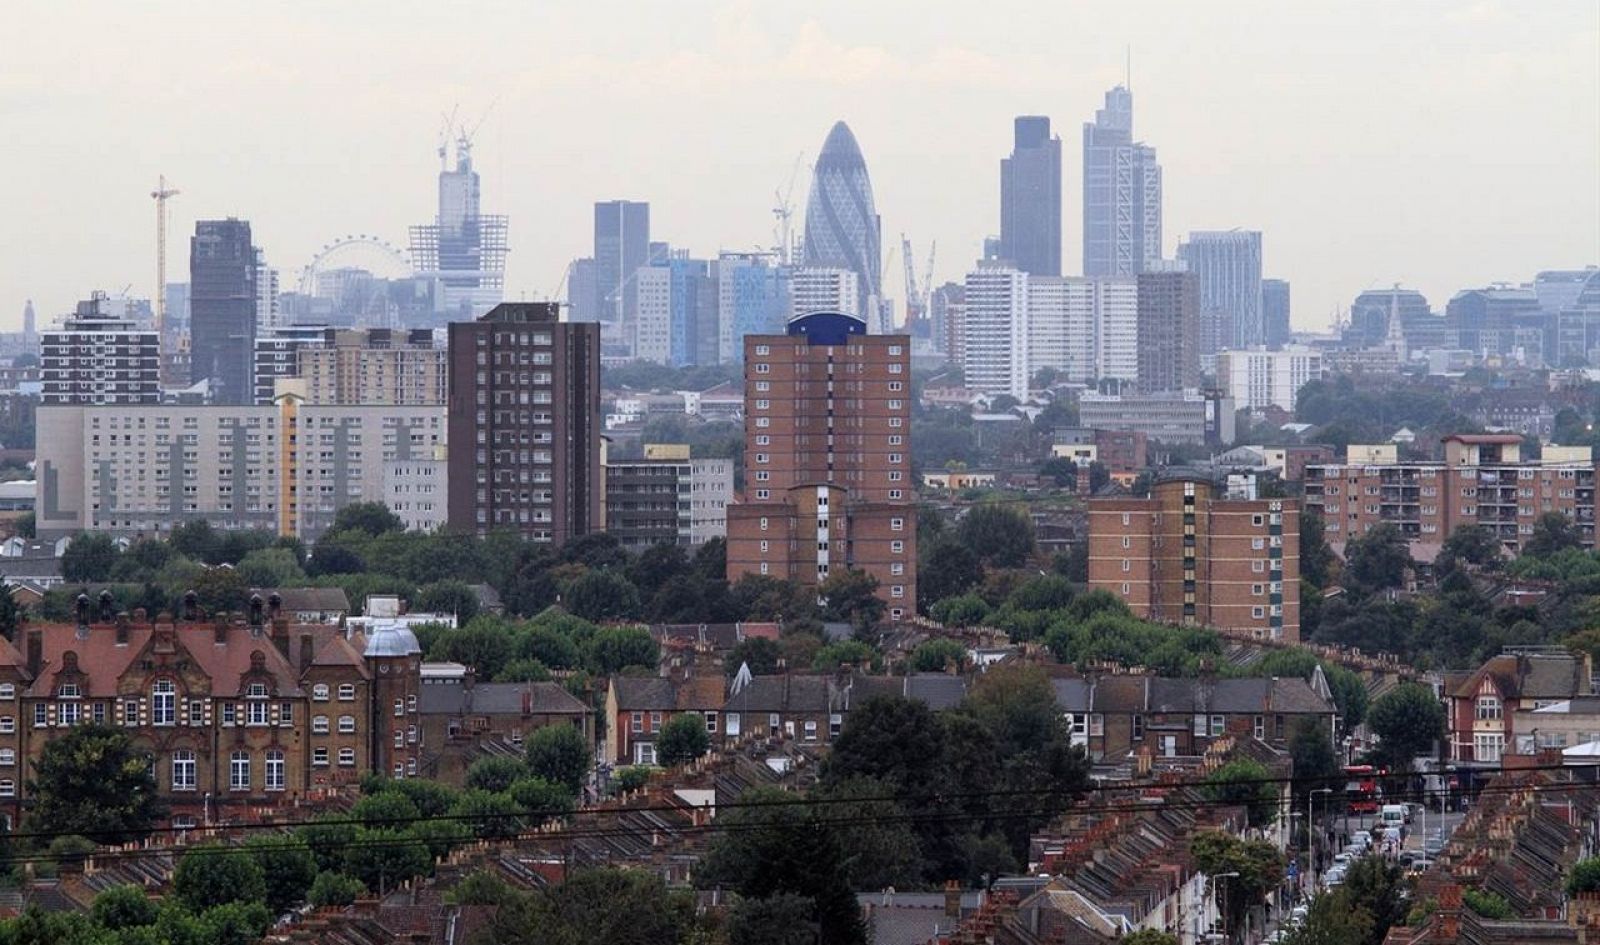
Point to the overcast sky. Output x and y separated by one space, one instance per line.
1438 144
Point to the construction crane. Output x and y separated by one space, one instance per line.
162 193
784 211
917 295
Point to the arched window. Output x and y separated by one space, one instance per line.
319 692
347 724
163 703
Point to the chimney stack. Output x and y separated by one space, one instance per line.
35 651
122 629
280 635
220 629
305 649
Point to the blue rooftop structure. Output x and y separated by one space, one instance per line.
827 328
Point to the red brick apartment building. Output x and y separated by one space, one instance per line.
1482 481
1189 554
828 458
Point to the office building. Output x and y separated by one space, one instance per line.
525 412
287 467
1186 416
1030 198
97 358
583 291
695 336
1258 378
1577 325
947 315
1496 320
667 498
995 330
1121 193
652 321
416 486
463 249
1189 554
842 226
1374 309
621 247
1228 263
1482 481
753 298
222 309
1275 311
828 458
1168 331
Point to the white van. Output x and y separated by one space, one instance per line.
1392 815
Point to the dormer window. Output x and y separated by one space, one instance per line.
69 691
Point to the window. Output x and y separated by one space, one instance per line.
1258 726
163 703
8 724
197 712
130 712
8 788
347 724
644 753
275 774
239 771
8 757
319 725
347 757
39 715
399 707
1138 727
286 714
347 692
255 713
411 703
319 692
69 713
1487 747
636 725
774 724
1489 708
230 713
733 724
319 757
1218 725
8 691
711 723
655 722
811 731
183 770
835 725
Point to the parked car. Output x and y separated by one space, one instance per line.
1362 839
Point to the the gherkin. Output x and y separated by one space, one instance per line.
842 226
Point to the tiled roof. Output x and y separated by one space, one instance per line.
308 599
103 661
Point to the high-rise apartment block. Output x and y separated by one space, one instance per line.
1258 378
287 467
97 358
352 366
1482 481
828 458
1190 554
1275 311
820 289
667 498
1228 263
222 309
753 298
525 418
269 311
1168 331
1030 198
995 330
1121 193
652 321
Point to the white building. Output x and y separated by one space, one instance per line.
1257 378
414 489
814 289
710 490
996 331
652 329
269 313
1087 329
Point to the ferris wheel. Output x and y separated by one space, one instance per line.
356 251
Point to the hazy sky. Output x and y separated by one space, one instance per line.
1439 144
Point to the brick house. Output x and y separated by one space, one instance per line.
463 720
637 708
1485 705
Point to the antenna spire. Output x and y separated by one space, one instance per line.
1129 51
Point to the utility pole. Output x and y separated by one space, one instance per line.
161 194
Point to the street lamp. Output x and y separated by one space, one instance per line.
1311 834
1212 882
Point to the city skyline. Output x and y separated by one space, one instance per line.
317 156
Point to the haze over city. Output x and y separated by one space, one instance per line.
1441 145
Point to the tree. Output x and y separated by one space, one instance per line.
761 597
1488 904
761 654
11 612
271 567
967 610
1470 544
682 739
948 569
1248 783
235 923
997 535
1408 720
382 858
385 809
1552 533
370 518
89 556
447 597
851 595
94 782
495 774
603 595
550 646
879 848
1585 876
1332 920
26 525
196 540
834 655
486 815
560 754
596 551
1149 937
937 655
334 889
1259 864
1376 886
485 644
1311 754
541 799
214 875
783 919
429 797
1377 560
221 590
288 867
1316 558
615 648
615 906
124 907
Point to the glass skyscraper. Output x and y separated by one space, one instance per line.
842 226
1121 193
1030 198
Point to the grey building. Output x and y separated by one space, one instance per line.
1372 309
98 358
842 226
667 498
621 246
1030 198
1494 320
222 309
1121 193
1169 417
583 300
463 248
1168 331
1228 263
1275 311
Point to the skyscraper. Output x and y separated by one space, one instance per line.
527 453
1275 311
463 248
828 458
1228 263
1121 193
1030 198
621 246
222 309
97 357
842 226
1169 324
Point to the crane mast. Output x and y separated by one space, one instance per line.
161 194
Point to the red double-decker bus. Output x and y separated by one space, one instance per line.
1361 792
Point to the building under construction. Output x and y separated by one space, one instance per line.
464 249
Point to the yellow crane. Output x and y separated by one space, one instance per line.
161 194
